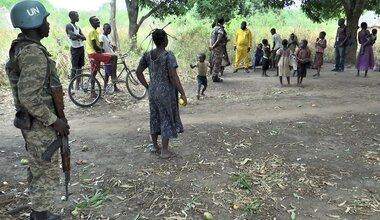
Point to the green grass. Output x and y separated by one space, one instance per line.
241 181
252 207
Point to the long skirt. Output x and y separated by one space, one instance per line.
366 60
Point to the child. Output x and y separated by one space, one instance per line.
257 59
108 47
283 63
266 56
202 66
163 91
303 59
320 46
373 36
293 44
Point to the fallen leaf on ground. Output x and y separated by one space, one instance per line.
334 216
245 161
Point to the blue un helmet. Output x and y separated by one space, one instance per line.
28 14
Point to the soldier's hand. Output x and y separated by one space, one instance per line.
61 127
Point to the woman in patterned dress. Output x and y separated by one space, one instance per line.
163 91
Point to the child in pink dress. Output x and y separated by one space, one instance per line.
320 46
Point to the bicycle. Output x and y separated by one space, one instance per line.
85 89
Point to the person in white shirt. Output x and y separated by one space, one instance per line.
277 44
76 38
108 47
105 41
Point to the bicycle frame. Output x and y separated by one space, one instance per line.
83 94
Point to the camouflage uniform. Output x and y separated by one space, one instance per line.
218 51
32 94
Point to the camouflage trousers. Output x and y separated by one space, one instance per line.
44 175
217 61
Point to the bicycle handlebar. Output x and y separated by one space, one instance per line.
123 56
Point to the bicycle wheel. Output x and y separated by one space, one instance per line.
135 88
84 90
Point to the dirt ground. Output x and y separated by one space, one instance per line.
251 150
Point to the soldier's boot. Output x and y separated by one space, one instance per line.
44 215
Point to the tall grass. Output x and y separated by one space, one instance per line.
190 34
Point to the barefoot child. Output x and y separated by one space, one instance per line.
293 44
266 56
283 63
202 66
373 36
320 46
303 59
163 92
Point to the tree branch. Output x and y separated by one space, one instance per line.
147 15
133 9
359 6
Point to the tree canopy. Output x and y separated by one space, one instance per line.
163 8
322 10
227 8
155 8
317 10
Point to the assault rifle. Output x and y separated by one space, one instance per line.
61 141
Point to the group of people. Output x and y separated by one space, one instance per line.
99 48
285 55
32 74
292 55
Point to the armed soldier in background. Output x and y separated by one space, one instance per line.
218 41
31 73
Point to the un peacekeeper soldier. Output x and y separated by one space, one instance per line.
218 41
31 72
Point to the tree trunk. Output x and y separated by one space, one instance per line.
114 35
352 24
133 13
353 10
